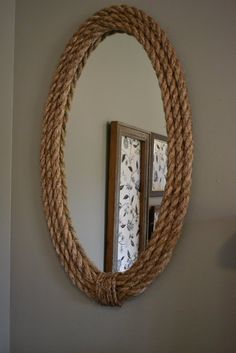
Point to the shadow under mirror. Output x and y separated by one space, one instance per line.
116 153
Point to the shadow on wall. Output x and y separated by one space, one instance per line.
227 254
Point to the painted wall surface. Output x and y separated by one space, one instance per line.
6 115
191 308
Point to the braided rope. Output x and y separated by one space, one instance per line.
115 288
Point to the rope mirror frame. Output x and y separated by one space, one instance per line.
114 288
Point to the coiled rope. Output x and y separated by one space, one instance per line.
115 288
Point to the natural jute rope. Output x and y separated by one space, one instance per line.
115 288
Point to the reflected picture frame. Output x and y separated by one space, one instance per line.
158 164
127 185
153 218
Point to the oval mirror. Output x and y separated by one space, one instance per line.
118 83
129 175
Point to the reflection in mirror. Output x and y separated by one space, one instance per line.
118 83
127 196
158 164
134 156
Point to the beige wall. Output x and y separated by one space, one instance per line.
191 308
6 99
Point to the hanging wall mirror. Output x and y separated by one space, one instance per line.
116 183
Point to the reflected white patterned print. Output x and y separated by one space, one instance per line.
159 171
129 204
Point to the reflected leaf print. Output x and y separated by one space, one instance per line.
129 204
159 171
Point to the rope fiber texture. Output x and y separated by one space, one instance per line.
114 288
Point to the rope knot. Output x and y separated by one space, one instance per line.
106 289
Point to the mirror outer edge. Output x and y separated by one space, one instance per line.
114 288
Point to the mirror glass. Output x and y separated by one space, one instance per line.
117 93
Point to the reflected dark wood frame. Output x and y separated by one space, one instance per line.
154 136
117 130
151 219
115 288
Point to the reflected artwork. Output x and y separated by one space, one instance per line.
137 163
129 203
158 171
